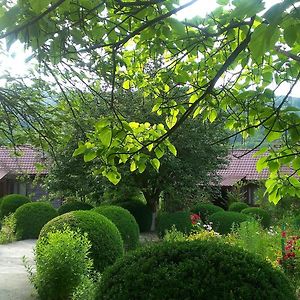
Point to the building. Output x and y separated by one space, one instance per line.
18 168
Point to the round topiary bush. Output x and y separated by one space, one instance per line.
141 212
237 206
206 210
223 221
260 214
31 217
193 270
11 202
107 244
73 205
180 219
125 223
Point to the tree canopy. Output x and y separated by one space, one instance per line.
229 63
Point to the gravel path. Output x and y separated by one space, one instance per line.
14 283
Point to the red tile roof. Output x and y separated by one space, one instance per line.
242 165
21 160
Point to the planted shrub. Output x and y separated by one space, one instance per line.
179 220
62 263
141 212
31 217
107 244
223 221
73 205
8 229
11 202
125 223
193 270
237 206
259 214
206 210
297 222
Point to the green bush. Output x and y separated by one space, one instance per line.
206 210
260 214
125 223
107 244
10 203
193 270
31 217
62 263
237 206
73 205
180 220
141 212
296 222
223 221
8 229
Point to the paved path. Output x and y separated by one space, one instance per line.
14 283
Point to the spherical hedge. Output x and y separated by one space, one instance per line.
181 220
206 210
125 223
223 221
260 214
11 202
72 206
141 212
237 206
193 270
31 217
107 244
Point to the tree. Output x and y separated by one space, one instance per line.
224 63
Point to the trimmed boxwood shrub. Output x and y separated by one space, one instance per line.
193 270
223 221
237 206
206 210
125 223
10 203
107 244
180 219
31 217
73 205
260 214
141 212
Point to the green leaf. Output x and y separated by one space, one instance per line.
39 5
133 166
113 176
212 115
155 163
296 163
273 135
261 164
159 152
172 148
223 2
295 182
126 85
290 35
80 150
89 156
105 136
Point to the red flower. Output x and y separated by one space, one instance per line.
195 218
283 234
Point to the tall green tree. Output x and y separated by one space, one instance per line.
226 63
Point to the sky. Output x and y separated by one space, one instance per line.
17 66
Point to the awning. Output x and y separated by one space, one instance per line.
3 173
231 181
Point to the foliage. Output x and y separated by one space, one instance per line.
141 212
62 263
31 217
238 206
87 288
11 202
125 222
8 229
73 205
107 244
180 220
224 221
205 210
193 270
237 193
260 214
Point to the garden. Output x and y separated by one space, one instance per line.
206 252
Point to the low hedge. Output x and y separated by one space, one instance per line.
260 214
10 203
237 206
125 223
193 270
223 221
141 212
181 220
72 206
206 210
31 217
107 244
